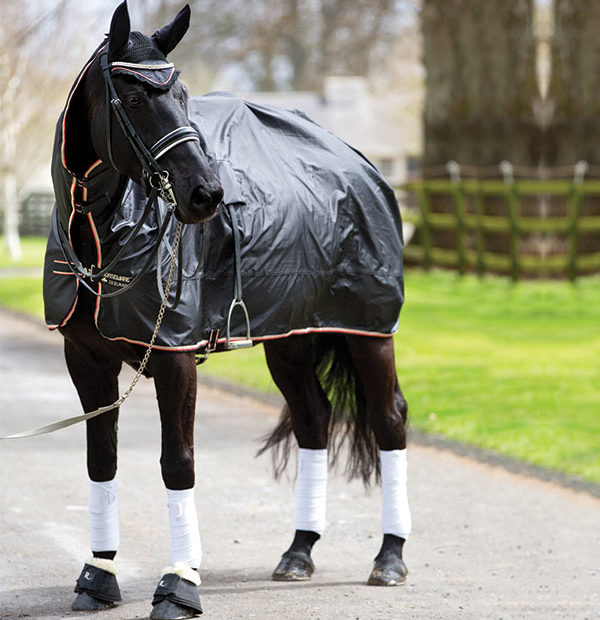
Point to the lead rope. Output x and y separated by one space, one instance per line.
49 428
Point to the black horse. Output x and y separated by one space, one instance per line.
129 154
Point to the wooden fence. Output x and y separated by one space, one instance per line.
35 213
466 218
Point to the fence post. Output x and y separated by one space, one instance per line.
459 203
581 168
479 231
423 200
512 201
453 168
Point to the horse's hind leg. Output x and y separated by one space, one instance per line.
96 380
375 365
176 383
291 366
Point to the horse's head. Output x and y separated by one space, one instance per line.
138 117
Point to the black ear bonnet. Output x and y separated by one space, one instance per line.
143 61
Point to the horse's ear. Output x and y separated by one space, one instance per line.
119 30
169 36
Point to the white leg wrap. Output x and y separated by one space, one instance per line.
395 513
311 490
104 515
185 536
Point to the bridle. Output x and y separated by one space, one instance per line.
153 176
155 180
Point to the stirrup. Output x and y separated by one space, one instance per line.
242 343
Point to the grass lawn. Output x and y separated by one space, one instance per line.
511 367
23 292
33 252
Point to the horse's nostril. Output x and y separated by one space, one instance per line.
200 196
217 195
203 196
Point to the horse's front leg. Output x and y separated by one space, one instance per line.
291 366
375 365
176 384
95 377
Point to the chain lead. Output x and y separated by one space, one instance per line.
159 320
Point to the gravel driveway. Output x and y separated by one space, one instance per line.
487 543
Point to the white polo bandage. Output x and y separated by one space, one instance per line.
185 536
104 515
395 513
311 490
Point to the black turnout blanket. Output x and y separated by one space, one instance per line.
320 239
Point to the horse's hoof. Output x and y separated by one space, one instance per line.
294 566
167 610
97 586
388 573
176 596
86 602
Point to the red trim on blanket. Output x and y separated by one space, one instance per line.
87 172
293 332
70 313
189 347
96 241
316 330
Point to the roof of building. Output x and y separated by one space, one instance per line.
381 126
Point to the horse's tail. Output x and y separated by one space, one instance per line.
349 422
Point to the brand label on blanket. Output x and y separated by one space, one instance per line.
116 280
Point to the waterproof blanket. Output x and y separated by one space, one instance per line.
320 239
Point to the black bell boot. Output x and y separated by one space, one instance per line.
176 595
97 586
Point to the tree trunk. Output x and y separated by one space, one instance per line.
481 91
574 132
8 154
480 82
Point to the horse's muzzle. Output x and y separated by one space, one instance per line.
203 202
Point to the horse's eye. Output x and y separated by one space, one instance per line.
180 98
133 100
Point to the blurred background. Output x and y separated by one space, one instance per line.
485 116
